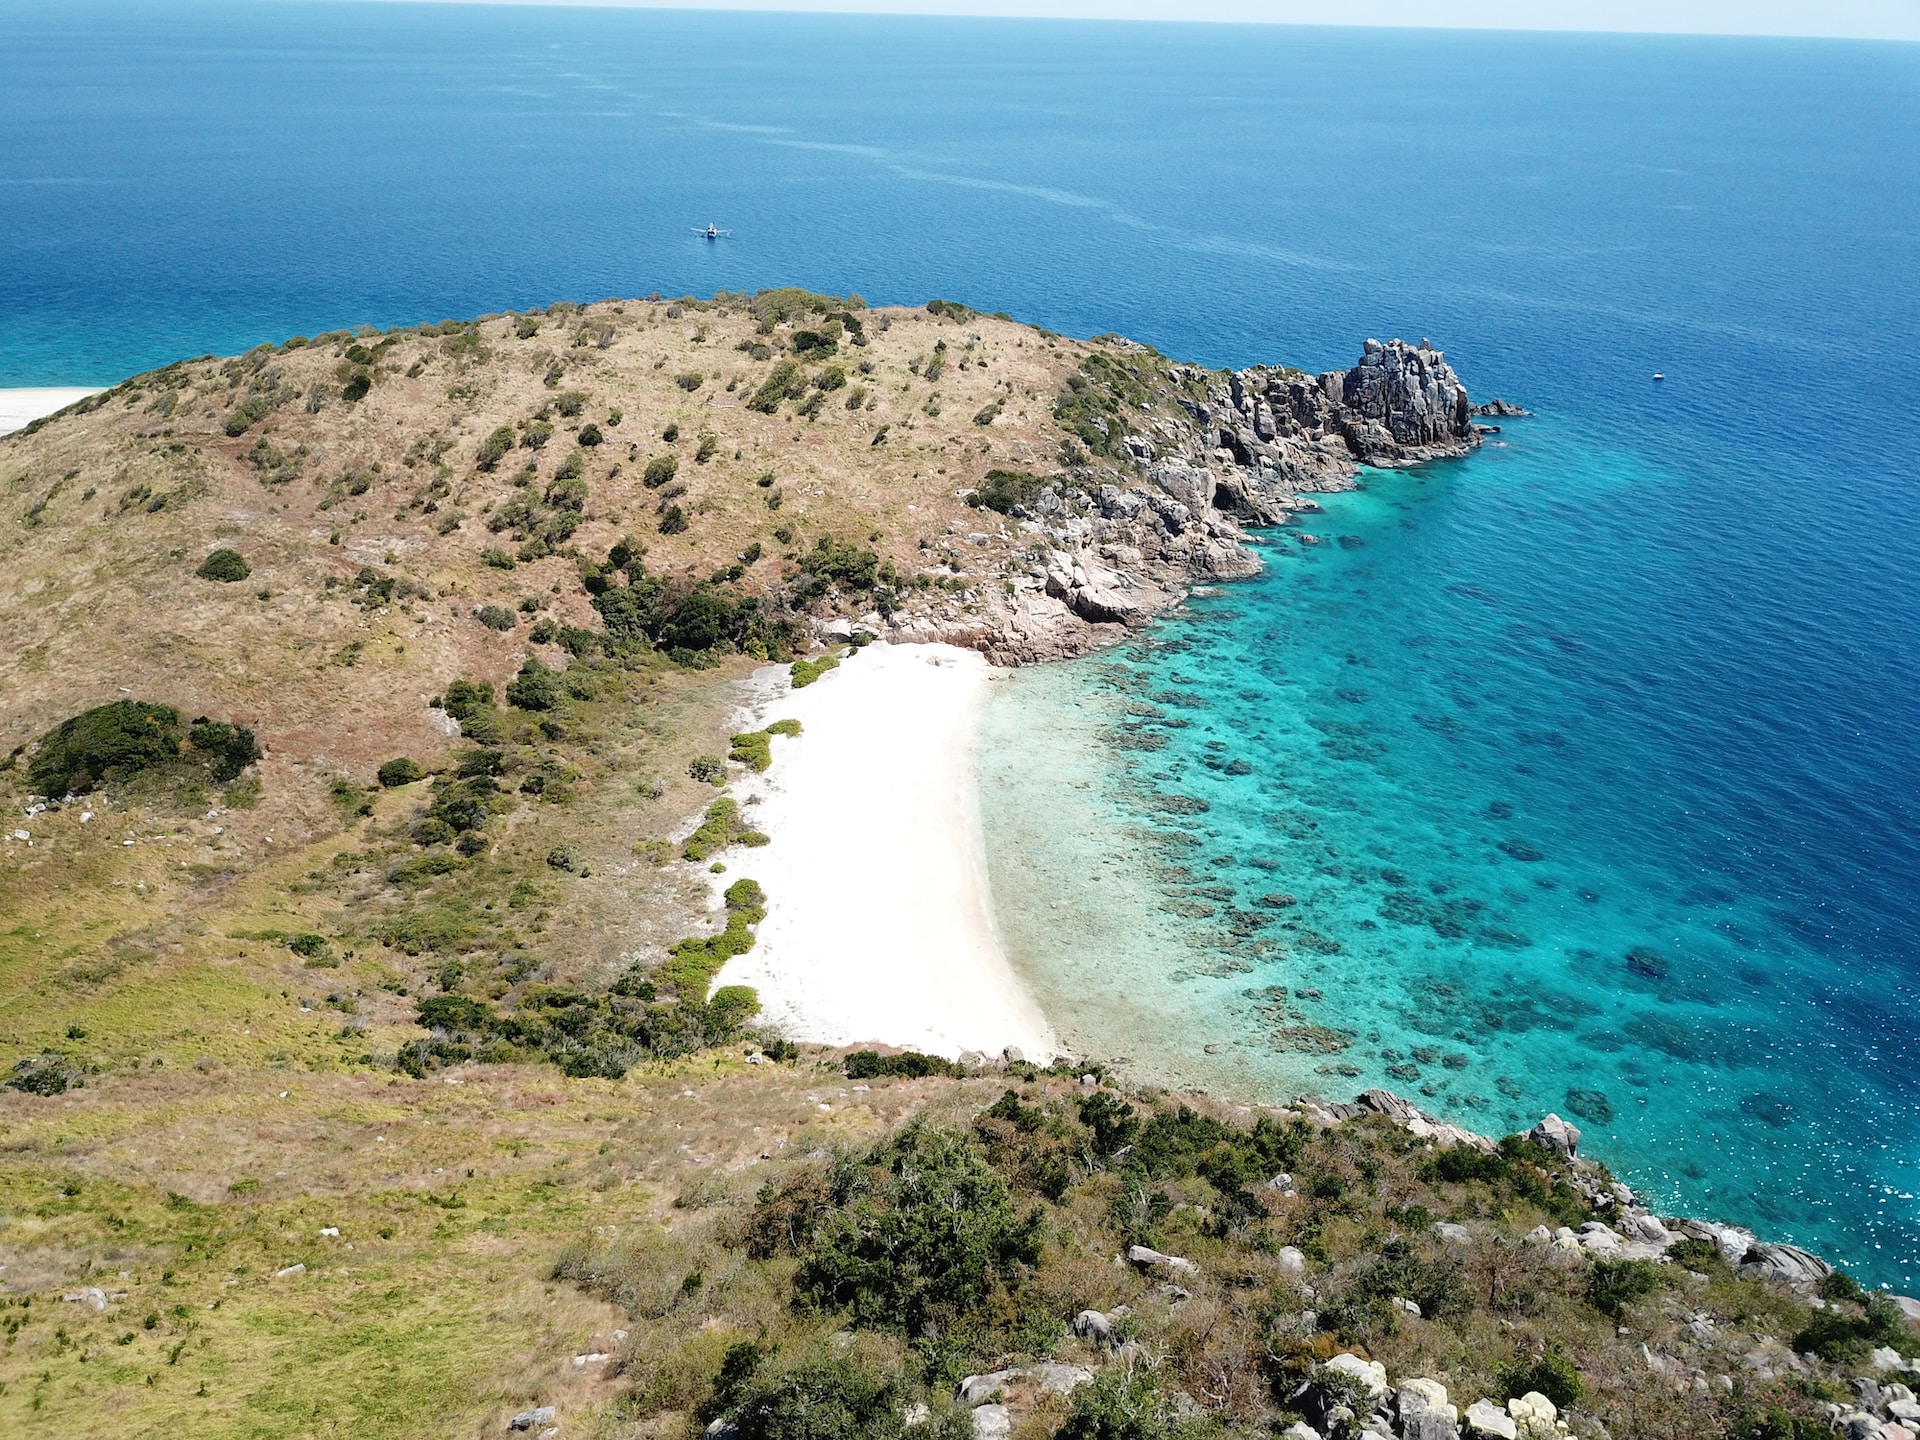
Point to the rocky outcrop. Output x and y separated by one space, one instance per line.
1116 544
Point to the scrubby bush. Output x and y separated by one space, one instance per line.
308 946
1612 1285
689 380
910 1064
570 402
919 1233
110 742
1120 1404
721 827
824 1398
697 618
1006 489
783 380
495 617
707 769
1552 1375
48 1073
534 688
400 771
590 434
1843 1336
659 471
494 448
224 748
226 566
805 672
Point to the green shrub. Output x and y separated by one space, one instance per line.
226 566
357 386
673 521
48 1073
721 827
825 1398
832 562
110 742
753 750
534 688
783 380
254 408
911 1064
1121 1404
1843 1338
308 946
400 771
1004 489
805 672
1552 1375
1776 1424
707 769
692 963
921 1233
1397 1271
790 728
226 749
704 451
590 435
689 380
536 435
1695 1254
470 703
495 617
1612 1285
494 448
570 403
659 471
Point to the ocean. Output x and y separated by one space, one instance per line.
1577 775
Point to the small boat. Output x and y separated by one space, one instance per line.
712 232
1658 376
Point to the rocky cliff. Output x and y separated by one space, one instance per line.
1192 459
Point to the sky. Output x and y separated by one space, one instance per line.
1849 19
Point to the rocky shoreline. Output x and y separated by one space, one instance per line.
1114 545
1418 1409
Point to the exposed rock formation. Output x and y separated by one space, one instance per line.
1115 544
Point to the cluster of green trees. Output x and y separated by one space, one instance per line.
125 738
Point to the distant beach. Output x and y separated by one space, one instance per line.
20 408
880 924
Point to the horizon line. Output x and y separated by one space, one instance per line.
1890 21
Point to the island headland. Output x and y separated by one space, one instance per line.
493 902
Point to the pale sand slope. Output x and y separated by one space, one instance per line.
19 408
880 921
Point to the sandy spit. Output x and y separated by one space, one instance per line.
880 922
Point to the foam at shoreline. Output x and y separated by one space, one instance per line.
880 923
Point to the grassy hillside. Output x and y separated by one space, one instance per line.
367 705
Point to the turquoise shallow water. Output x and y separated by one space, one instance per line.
1664 639
1522 846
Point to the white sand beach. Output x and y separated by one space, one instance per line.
20 408
880 920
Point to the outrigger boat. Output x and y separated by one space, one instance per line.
712 232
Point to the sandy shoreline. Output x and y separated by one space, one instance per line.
20 408
880 921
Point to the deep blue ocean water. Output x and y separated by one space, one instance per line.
1662 637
